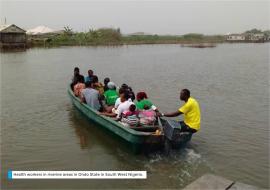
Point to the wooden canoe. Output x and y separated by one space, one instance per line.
140 138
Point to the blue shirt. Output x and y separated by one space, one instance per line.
88 79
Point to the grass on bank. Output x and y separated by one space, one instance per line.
170 39
110 36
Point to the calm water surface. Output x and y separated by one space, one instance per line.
41 130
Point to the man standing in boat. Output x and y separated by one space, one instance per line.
191 111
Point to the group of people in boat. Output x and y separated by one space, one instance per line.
121 103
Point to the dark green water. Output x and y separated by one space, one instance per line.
41 130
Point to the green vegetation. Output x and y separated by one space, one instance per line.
253 31
104 36
267 32
169 39
111 36
256 31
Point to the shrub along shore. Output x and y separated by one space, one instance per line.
110 36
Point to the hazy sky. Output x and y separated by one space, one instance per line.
160 17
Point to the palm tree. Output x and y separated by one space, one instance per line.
68 30
94 33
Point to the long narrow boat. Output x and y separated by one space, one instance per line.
138 137
200 45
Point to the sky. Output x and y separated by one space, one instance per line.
155 17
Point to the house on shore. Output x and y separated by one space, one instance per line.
12 37
236 38
247 37
258 38
41 35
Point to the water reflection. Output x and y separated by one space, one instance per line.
91 134
84 135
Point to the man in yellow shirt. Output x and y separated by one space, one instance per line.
191 111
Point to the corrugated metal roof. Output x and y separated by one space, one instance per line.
2 27
12 28
40 30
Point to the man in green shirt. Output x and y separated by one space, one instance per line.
111 94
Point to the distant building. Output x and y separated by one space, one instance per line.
12 36
258 37
247 37
41 35
40 30
236 37
267 38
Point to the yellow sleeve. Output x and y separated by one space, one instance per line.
185 108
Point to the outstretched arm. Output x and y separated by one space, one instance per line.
172 114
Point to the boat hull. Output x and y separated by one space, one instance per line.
138 140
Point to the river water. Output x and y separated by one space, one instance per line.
41 129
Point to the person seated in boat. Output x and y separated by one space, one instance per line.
191 111
130 117
106 81
142 101
118 100
91 96
129 90
76 78
111 110
122 107
90 75
111 94
79 87
147 116
97 85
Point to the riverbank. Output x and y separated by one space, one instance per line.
113 37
